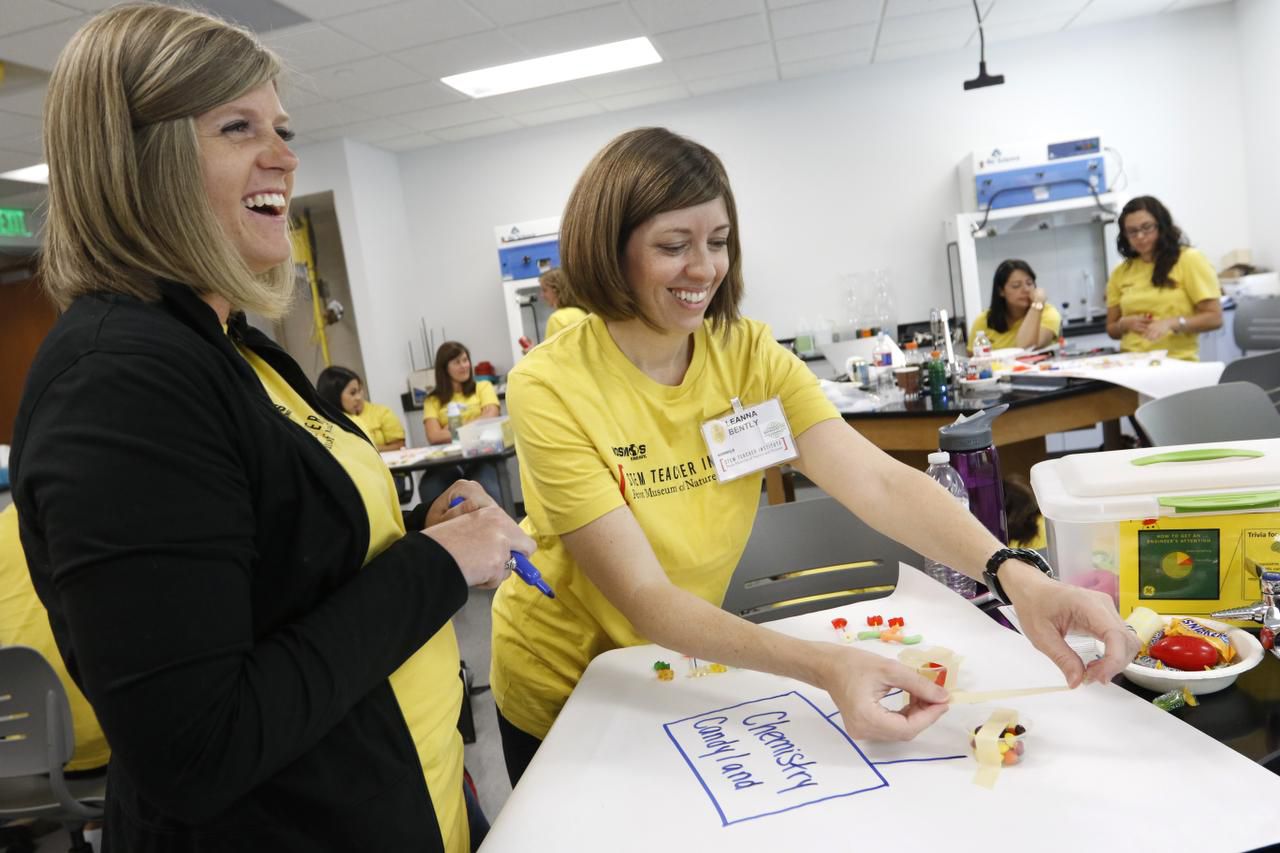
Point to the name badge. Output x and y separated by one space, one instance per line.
749 439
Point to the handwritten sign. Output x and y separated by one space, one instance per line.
771 755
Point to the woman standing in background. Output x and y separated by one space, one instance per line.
1166 293
343 389
1020 314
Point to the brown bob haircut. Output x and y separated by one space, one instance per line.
635 177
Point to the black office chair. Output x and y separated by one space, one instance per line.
36 741
1262 370
1235 411
812 555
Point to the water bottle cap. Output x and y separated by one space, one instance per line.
939 457
970 433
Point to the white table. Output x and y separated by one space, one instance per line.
1104 770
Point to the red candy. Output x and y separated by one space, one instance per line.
839 624
874 621
1189 654
897 622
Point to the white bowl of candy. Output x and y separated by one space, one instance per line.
1181 645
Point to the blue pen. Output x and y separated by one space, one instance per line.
520 564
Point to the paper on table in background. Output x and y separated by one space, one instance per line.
1081 644
848 397
410 455
1152 374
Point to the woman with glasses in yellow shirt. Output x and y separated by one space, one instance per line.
1165 293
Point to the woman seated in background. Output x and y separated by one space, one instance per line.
456 384
1020 314
1166 293
343 389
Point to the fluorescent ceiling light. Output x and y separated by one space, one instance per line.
556 68
37 174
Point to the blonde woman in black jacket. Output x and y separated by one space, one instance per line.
221 553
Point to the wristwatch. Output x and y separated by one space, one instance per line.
1025 555
1039 306
1182 324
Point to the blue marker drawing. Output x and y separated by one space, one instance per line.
520 564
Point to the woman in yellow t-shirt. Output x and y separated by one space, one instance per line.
554 288
635 531
343 389
1020 314
456 384
1166 293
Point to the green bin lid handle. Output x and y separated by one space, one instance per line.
1222 502
1199 455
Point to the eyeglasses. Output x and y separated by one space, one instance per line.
1021 284
1140 230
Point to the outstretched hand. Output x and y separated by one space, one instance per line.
1048 610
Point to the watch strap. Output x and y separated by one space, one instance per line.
1025 555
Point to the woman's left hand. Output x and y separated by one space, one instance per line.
1157 329
1048 610
473 498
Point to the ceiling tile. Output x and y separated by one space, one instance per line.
22 15
631 80
662 16
1011 11
28 101
1179 5
319 10
450 115
372 130
998 32
952 26
725 62
754 77
311 46
1102 11
825 64
631 100
708 38
31 144
294 92
15 124
308 120
362 76
589 27
899 8
814 45
920 47
825 15
409 143
505 12
89 5
534 100
569 111
407 99
409 23
10 160
40 47
480 128
786 4
466 53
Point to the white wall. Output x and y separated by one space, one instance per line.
1259 27
844 172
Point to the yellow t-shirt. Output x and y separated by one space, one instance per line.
426 686
1049 319
594 433
379 423
472 404
24 622
1130 288
563 318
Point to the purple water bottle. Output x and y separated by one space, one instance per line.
973 455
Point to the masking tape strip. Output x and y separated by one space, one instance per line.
970 697
986 746
916 658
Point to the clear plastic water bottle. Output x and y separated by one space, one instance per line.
455 420
940 469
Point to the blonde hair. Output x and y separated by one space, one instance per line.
127 204
635 177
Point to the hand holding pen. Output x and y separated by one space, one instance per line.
480 541
519 564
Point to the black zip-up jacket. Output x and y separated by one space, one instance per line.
200 557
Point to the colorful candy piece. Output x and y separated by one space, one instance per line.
839 624
1190 654
869 635
875 621
1175 699
897 622
660 665
1009 743
666 675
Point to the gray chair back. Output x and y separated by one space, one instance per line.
1257 323
1262 370
812 555
36 740
1234 411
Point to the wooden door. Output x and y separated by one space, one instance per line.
26 316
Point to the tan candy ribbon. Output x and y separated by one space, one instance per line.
986 746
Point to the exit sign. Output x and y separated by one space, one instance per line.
13 223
